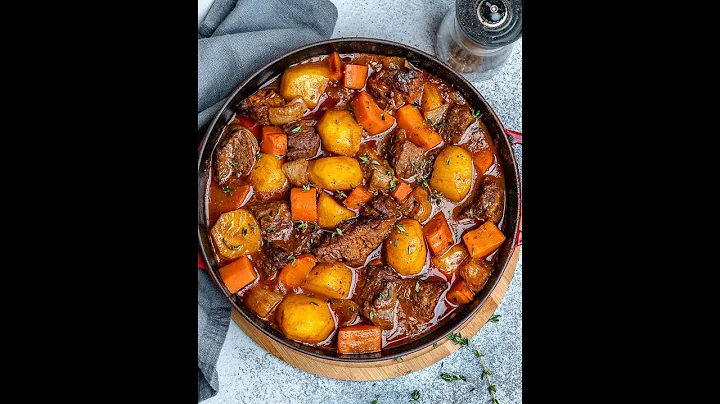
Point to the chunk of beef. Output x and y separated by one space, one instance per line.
362 236
337 91
302 143
403 155
274 219
272 260
257 105
236 155
456 122
376 169
301 242
378 294
296 172
419 298
489 202
383 206
392 89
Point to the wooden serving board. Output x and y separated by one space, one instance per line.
389 368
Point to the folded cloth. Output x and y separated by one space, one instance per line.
235 39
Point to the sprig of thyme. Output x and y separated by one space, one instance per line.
450 377
458 339
495 318
487 372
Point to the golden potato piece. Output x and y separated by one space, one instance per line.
267 175
307 81
335 173
339 132
330 213
452 173
331 279
305 319
449 262
405 249
236 233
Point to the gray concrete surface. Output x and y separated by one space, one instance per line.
248 374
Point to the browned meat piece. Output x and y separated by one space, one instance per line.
489 203
274 219
383 206
296 172
419 298
378 295
403 155
376 169
236 155
392 89
475 272
272 260
301 242
302 143
336 90
257 105
361 236
417 205
456 122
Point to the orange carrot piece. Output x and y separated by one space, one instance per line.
483 159
438 235
355 76
274 141
227 198
402 190
483 240
376 261
373 119
460 293
358 196
418 130
294 273
359 339
238 274
303 204
335 66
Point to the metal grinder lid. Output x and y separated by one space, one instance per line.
490 23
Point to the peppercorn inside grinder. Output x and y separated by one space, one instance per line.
476 36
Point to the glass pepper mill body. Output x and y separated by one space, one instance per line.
476 37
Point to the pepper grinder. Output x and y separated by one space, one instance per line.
476 36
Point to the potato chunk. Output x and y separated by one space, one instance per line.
452 173
335 173
339 132
405 249
330 213
305 319
236 233
262 300
307 81
268 176
331 279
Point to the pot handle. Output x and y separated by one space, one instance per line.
516 139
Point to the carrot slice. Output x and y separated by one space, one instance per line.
238 274
303 204
274 141
294 273
355 76
418 130
358 196
483 240
373 119
335 66
483 159
402 190
376 261
438 235
460 293
359 339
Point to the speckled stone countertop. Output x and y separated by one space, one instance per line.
249 374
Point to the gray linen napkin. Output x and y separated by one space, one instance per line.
235 39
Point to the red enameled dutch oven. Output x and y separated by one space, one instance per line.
504 139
